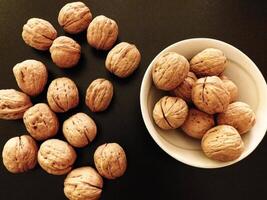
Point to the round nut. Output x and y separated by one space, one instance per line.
209 62
210 95
56 156
99 95
20 154
65 52
239 115
197 123
74 17
31 76
102 32
184 90
62 95
169 70
79 130
222 143
110 160
83 183
41 122
38 33
231 87
13 104
170 112
123 59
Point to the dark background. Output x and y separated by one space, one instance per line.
151 25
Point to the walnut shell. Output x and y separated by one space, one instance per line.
170 112
31 76
99 95
169 70
83 183
56 156
79 130
184 90
65 52
102 32
38 33
74 17
222 143
62 95
197 123
239 115
20 154
231 87
110 160
123 59
210 95
208 62
13 104
41 122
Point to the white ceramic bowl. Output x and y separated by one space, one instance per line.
252 90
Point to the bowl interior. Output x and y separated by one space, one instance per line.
252 90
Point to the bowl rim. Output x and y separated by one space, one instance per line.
148 122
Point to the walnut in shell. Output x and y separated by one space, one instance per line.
184 90
38 33
13 104
99 95
208 62
62 95
169 70
56 156
222 143
239 115
65 52
102 33
41 122
31 76
123 59
83 183
197 123
20 154
170 112
231 87
210 95
79 130
110 160
74 17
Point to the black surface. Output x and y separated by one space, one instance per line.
151 25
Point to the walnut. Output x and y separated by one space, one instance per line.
110 160
239 115
123 59
13 104
62 95
184 90
209 95
231 87
170 112
20 154
169 70
79 130
74 17
197 123
208 62
38 33
83 183
41 122
102 32
31 76
99 95
56 156
222 143
65 52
